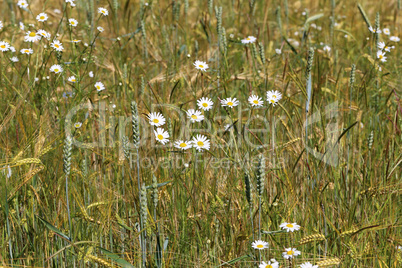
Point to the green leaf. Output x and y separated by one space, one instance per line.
54 229
315 17
123 263
159 184
234 260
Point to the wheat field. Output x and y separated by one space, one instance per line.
189 133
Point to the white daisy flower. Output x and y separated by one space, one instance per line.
77 124
386 31
91 74
73 22
383 46
308 265
44 34
205 103
72 79
161 135
290 227
394 38
195 116
57 45
22 27
56 68
381 56
103 11
230 102
71 2
201 65
4 46
156 119
26 51
269 264
99 86
278 51
259 244
14 59
42 17
399 249
254 100
290 253
249 39
327 48
182 145
76 41
12 49
1 25
378 30
273 97
100 29
31 37
200 142
22 4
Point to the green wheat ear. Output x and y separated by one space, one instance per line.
377 26
136 124
68 146
210 6
248 188
218 15
126 150
224 42
254 51
310 59
155 194
262 53
260 175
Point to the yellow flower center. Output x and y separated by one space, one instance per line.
156 121
56 45
255 101
32 34
42 17
273 101
290 252
72 22
160 137
200 143
73 79
380 56
43 34
269 266
182 145
274 96
103 11
194 116
230 103
289 225
205 104
260 246
98 87
77 125
248 38
3 46
27 51
201 66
